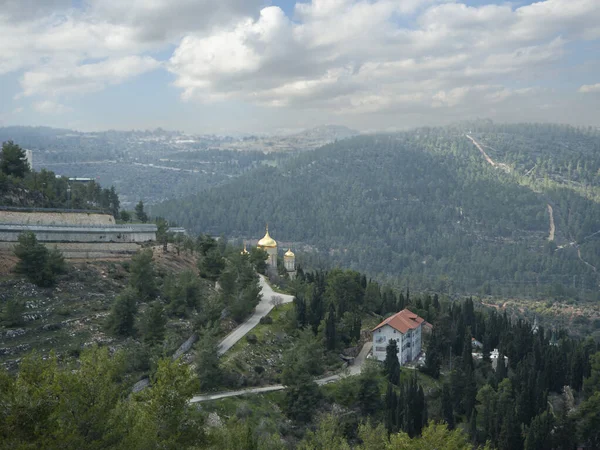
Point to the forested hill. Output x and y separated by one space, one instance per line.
427 206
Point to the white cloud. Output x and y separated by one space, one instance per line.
356 55
588 88
85 78
50 107
331 56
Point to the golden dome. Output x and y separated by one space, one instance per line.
267 241
289 254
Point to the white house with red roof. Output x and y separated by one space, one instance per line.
406 328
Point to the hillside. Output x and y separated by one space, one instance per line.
158 165
427 208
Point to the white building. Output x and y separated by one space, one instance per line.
406 329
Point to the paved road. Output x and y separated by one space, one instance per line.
262 309
354 369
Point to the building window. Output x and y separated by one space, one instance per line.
380 349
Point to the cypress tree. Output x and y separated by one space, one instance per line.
330 333
391 364
301 316
447 409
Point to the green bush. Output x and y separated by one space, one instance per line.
36 262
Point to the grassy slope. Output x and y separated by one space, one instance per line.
72 314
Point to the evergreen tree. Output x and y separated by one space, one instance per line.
13 161
140 213
12 316
36 262
153 324
447 409
121 319
391 405
300 306
142 275
207 361
211 264
368 397
391 365
330 331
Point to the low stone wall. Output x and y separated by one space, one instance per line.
55 218
91 250
61 233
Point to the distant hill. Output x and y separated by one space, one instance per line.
426 206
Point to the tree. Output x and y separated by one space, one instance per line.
121 319
207 361
12 316
162 233
142 275
592 383
258 258
369 396
211 264
589 421
162 417
391 365
140 213
153 324
36 262
539 435
125 216
447 408
330 332
328 435
13 161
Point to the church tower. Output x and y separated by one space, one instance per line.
269 245
289 261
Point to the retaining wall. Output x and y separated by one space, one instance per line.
91 250
63 233
55 218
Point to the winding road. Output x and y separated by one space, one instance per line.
354 369
262 309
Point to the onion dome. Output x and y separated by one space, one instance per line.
267 241
289 254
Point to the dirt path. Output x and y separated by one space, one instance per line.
354 369
584 261
552 227
485 155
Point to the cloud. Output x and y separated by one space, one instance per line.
85 78
358 56
588 88
50 107
51 39
342 57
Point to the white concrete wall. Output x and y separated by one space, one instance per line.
409 344
55 218
113 233
91 250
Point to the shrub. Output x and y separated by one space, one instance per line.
36 262
267 320
251 338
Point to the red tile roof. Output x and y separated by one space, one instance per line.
403 321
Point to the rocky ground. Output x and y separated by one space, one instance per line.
72 315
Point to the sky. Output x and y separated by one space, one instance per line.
223 66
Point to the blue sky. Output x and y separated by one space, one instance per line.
220 66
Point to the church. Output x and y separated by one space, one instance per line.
269 245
